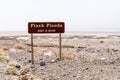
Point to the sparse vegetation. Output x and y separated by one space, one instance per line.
69 54
5 48
11 70
24 70
3 57
12 63
38 50
19 46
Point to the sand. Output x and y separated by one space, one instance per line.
85 56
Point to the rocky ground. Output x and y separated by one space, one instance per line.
84 57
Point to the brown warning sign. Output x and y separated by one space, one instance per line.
46 27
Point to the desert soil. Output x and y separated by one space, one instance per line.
84 56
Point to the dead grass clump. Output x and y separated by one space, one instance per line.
38 50
69 54
24 70
5 48
19 46
3 57
54 52
12 63
11 68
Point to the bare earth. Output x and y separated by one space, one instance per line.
85 56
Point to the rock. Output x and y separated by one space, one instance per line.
74 76
64 75
18 66
53 61
103 58
48 53
101 41
56 60
42 64
87 68
101 70
29 61
13 50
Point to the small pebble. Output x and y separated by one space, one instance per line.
18 66
74 76
101 70
42 64
53 61
29 61
87 68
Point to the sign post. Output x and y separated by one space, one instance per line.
32 56
45 27
60 45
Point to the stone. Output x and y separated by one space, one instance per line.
29 61
53 61
18 66
42 64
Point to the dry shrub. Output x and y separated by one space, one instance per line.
69 54
43 51
5 48
24 70
12 63
19 46
11 70
38 50
3 57
54 52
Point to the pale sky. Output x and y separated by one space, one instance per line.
78 15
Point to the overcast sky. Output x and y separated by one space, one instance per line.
78 15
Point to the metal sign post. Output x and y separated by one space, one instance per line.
60 45
32 54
